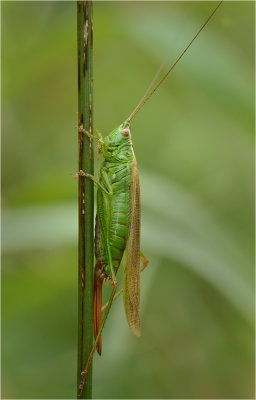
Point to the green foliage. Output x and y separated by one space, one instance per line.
194 146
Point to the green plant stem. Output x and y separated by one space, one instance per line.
85 194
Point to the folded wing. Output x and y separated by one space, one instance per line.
132 258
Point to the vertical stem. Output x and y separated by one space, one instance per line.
86 193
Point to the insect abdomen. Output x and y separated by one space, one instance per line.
120 210
120 179
119 225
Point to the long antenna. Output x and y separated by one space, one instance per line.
146 97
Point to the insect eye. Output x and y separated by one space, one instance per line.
125 132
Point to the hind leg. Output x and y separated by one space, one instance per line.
145 262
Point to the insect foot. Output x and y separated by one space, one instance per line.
82 173
82 130
79 173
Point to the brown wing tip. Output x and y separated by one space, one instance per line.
136 330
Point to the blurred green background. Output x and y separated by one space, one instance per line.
194 146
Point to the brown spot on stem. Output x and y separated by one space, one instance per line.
86 23
79 81
90 125
82 280
91 25
80 148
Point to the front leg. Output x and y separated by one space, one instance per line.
98 136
